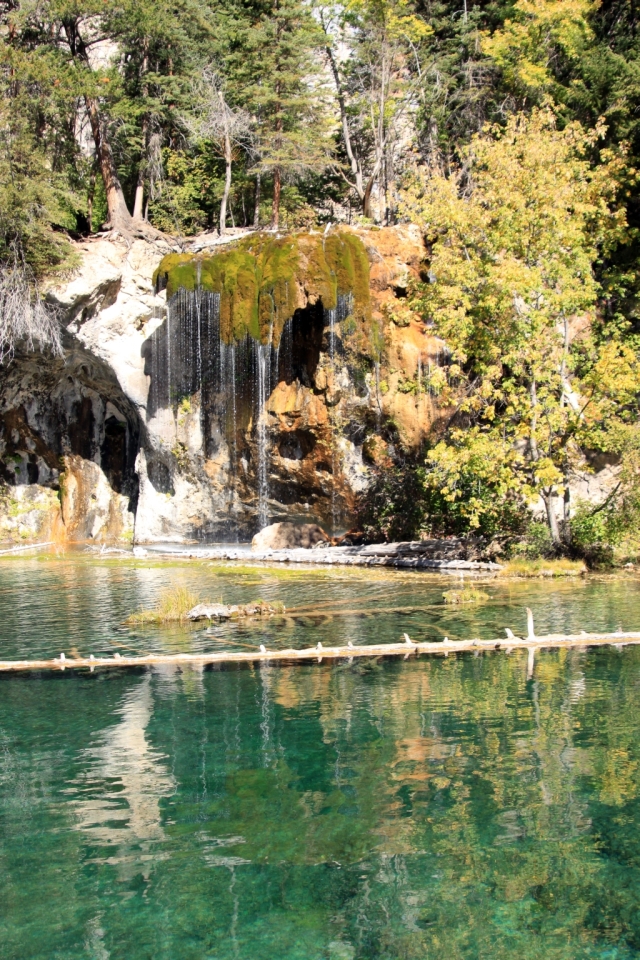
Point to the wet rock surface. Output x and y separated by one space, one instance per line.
69 439
221 437
443 555
154 426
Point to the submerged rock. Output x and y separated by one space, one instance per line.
221 611
289 536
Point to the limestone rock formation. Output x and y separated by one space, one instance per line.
69 438
162 423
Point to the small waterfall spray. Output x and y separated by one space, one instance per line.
192 357
263 365
332 337
169 324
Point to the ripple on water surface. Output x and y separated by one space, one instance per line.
435 808
75 604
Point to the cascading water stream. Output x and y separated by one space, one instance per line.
263 368
332 337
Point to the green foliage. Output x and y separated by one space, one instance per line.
178 204
535 544
466 595
393 507
405 501
36 203
273 60
173 607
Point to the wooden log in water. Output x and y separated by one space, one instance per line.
320 653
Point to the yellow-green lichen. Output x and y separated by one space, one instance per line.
262 279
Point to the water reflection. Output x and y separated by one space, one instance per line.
117 796
79 604
434 808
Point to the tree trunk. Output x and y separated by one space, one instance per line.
256 203
566 513
366 200
119 216
549 499
139 198
227 174
346 133
277 189
90 197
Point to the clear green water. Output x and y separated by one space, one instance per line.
440 808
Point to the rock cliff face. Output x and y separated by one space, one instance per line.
250 389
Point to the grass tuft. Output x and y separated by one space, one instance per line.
173 606
543 568
465 595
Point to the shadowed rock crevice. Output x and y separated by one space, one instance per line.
69 439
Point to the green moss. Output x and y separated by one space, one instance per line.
178 270
257 279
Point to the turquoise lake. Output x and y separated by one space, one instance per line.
435 808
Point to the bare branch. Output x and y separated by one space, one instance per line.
24 318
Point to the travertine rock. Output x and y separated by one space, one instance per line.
87 448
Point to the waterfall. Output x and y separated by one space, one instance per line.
263 365
169 396
342 310
189 362
233 381
332 336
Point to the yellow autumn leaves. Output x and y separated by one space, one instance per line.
513 235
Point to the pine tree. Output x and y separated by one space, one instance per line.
276 65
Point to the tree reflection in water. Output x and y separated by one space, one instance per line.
439 808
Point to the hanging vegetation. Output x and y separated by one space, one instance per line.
263 280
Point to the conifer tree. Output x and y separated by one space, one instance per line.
276 64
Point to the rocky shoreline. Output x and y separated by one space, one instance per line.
415 555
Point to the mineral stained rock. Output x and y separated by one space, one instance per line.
244 393
265 383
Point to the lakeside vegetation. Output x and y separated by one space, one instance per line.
465 595
173 606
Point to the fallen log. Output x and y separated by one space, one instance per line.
318 653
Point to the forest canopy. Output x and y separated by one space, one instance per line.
203 114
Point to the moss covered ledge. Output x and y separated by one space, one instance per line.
263 279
